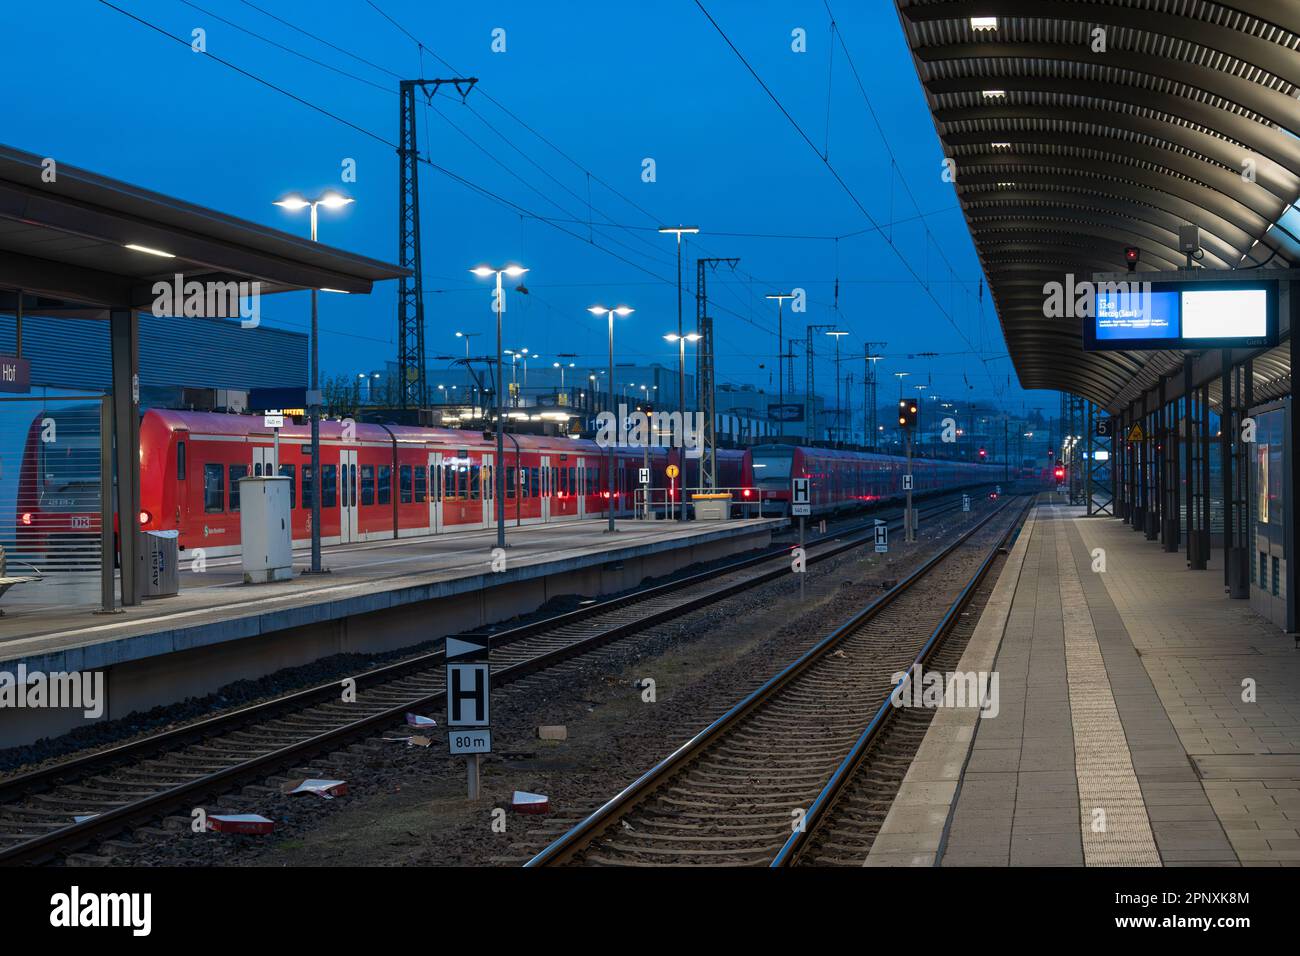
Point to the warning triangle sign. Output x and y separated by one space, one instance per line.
1135 433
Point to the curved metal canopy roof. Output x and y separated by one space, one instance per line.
1079 128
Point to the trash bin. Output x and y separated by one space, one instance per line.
712 507
159 563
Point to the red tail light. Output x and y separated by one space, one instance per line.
605 494
747 492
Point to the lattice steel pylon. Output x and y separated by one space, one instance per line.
870 425
413 387
704 371
810 382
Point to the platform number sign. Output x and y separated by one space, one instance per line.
907 482
643 475
1103 428
882 537
801 496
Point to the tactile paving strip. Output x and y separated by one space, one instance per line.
1112 814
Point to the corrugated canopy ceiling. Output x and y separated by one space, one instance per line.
1066 153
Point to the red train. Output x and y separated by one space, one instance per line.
846 479
378 481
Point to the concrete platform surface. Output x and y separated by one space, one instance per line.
215 606
1144 719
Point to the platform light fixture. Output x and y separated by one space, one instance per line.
983 23
153 252
293 202
622 311
499 306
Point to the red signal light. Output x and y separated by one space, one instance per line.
1059 473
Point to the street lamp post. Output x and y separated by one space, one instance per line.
622 310
681 377
293 203
499 306
780 371
839 411
467 336
681 341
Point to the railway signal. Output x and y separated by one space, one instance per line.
907 410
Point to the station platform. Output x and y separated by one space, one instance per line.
1143 719
378 596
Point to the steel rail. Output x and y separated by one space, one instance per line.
820 807
577 838
98 827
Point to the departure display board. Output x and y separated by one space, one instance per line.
1142 316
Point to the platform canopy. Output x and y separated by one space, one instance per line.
65 233
1081 128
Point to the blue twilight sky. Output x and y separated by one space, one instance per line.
607 84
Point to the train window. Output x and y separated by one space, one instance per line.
180 461
435 483
404 484
573 481
473 482
535 482
421 483
308 486
510 482
329 488
489 489
214 489
287 471
385 484
236 472
367 484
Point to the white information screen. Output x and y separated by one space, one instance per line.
1224 313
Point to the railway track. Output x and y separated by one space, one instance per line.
135 783
766 771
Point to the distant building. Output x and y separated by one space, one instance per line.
184 362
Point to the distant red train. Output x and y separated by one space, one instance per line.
378 481
847 479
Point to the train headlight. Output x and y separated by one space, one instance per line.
144 517
27 517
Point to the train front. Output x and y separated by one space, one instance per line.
773 466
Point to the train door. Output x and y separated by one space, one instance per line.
348 495
546 488
488 490
435 492
582 488
263 461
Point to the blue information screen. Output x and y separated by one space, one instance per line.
1131 315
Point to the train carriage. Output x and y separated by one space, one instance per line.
843 479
